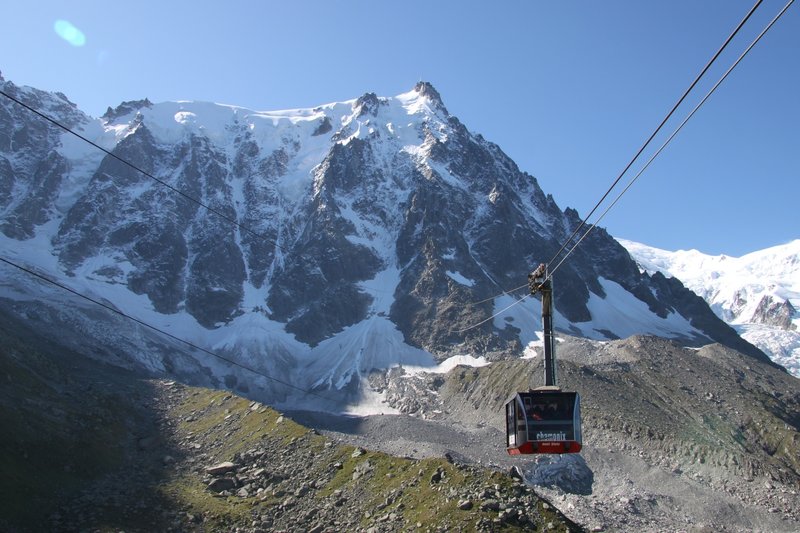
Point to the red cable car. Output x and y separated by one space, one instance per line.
545 419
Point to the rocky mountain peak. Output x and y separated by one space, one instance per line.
778 313
125 108
368 104
426 89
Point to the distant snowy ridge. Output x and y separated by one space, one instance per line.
758 294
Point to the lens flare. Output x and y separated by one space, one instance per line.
67 31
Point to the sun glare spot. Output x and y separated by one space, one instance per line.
67 31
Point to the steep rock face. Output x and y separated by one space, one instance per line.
261 207
384 214
774 313
689 304
31 166
174 256
316 291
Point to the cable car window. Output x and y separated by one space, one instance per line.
511 429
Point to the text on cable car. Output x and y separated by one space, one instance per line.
551 436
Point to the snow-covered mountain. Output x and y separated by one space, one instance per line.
758 293
368 233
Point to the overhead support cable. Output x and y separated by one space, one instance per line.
504 293
494 315
652 158
655 132
674 133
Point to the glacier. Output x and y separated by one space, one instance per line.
737 287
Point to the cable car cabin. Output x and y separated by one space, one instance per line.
544 420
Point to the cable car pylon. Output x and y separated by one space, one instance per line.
545 419
538 282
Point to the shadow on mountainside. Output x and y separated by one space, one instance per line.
82 442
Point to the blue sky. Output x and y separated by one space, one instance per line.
570 90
